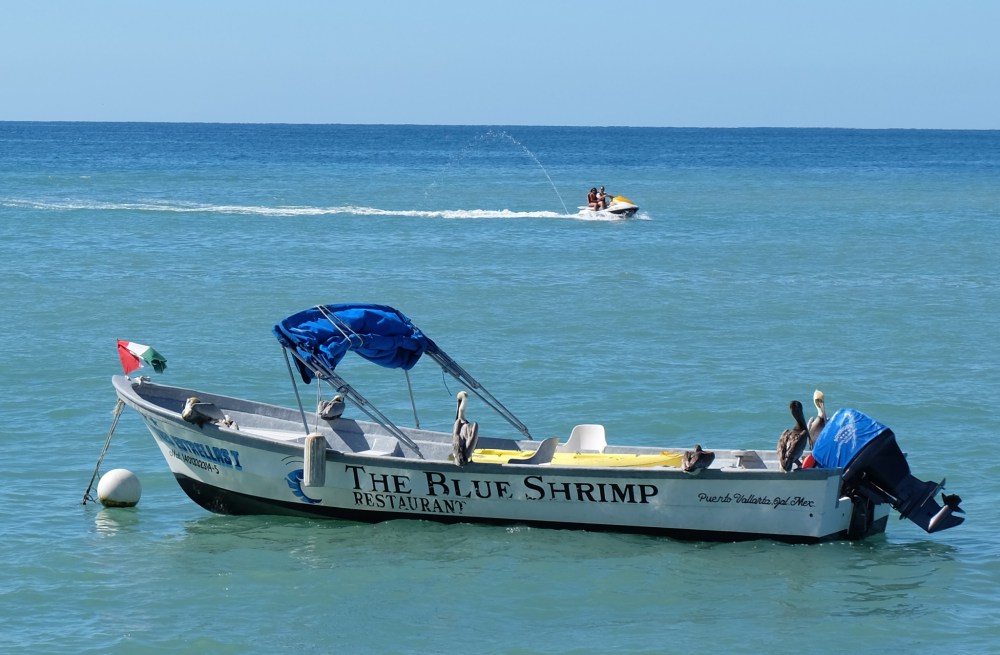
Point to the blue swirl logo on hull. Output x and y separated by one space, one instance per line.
294 480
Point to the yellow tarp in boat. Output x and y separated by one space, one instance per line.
493 456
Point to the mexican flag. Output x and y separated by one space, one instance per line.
135 355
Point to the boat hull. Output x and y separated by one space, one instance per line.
248 471
226 501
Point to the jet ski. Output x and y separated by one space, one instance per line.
619 206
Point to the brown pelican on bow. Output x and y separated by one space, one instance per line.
792 442
201 413
464 435
818 422
697 459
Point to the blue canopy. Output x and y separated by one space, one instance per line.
846 433
322 335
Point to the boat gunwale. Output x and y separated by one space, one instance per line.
125 386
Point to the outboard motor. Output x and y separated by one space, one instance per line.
875 468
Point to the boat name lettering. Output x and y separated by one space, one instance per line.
364 481
536 487
220 456
439 484
753 499
403 503
594 492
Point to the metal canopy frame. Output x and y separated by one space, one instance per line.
442 359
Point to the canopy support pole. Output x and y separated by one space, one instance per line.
456 371
413 403
359 401
295 387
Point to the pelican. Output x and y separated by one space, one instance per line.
201 413
792 443
818 422
697 459
192 413
332 409
464 435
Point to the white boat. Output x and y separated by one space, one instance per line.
236 456
619 206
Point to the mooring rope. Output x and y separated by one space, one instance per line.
119 406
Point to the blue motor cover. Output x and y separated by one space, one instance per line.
845 435
875 468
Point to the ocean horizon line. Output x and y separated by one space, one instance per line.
500 125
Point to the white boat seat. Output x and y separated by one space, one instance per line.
543 454
585 438
382 448
375 453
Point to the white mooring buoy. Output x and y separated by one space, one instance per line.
119 488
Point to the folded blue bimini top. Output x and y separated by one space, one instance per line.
322 335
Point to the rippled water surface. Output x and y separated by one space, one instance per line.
763 264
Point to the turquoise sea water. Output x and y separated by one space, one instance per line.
763 264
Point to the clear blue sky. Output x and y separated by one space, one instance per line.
690 63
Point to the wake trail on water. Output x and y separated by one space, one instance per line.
289 211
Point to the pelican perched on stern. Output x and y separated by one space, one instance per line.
465 434
792 442
818 422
